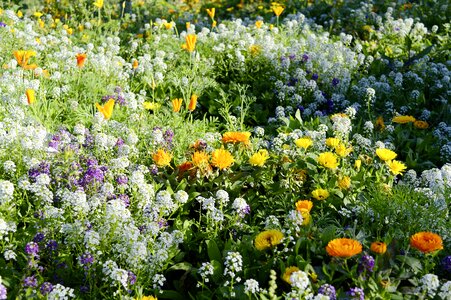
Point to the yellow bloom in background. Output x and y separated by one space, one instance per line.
135 64
192 102
106 109
320 194
332 142
421 124
342 151
258 24
343 248
344 183
148 298
222 159
278 10
211 12
396 167
306 218
98 3
236 137
328 160
162 158
254 49
151 105
304 205
358 164
258 159
168 25
200 159
303 142
30 96
268 239
380 125
385 154
403 119
378 247
19 13
190 42
177 104
288 272
23 56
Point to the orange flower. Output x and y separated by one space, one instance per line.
190 42
176 104
380 123
162 158
211 12
22 58
200 159
135 64
278 10
426 242
258 24
30 96
343 248
81 58
304 205
236 137
107 109
184 167
421 124
378 247
222 159
192 102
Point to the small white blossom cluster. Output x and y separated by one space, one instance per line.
233 264
61 292
429 284
205 271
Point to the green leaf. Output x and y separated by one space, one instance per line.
185 266
213 250
171 295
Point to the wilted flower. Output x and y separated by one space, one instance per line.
343 247
320 194
268 239
378 247
222 159
426 242
380 125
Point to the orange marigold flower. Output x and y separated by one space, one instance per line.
81 58
268 239
236 137
426 242
162 158
378 247
304 205
343 248
200 159
288 272
421 124
403 119
222 159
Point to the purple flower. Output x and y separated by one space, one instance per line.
305 58
315 76
122 179
84 289
328 290
39 237
46 288
125 199
3 291
2 25
131 278
118 90
153 169
52 245
168 136
32 249
446 263
366 263
86 259
356 293
30 281
335 81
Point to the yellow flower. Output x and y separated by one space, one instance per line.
258 24
303 142
236 137
332 142
259 158
357 164
151 105
396 167
200 160
304 205
147 298
385 154
421 124
328 160
288 272
344 183
343 247
190 42
403 119
98 3
23 56
378 247
278 10
30 96
320 194
162 158
222 159
168 25
177 104
192 102
254 49
106 109
135 64
426 242
380 123
211 12
342 151
19 13
38 14
268 239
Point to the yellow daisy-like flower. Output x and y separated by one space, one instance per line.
403 119
328 160
222 159
303 142
421 124
385 154
258 159
342 151
200 159
320 194
396 167
287 274
344 183
162 158
332 142
236 137
304 205
268 239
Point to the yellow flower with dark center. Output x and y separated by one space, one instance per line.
258 24
106 109
385 154
278 10
222 159
403 119
344 183
332 142
342 151
328 160
236 137
421 124
426 242
31 98
380 125
268 239
378 247
303 142
162 158
190 42
177 104
258 159
320 194
304 205
288 272
396 167
200 159
343 248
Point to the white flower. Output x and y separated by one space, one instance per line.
251 286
